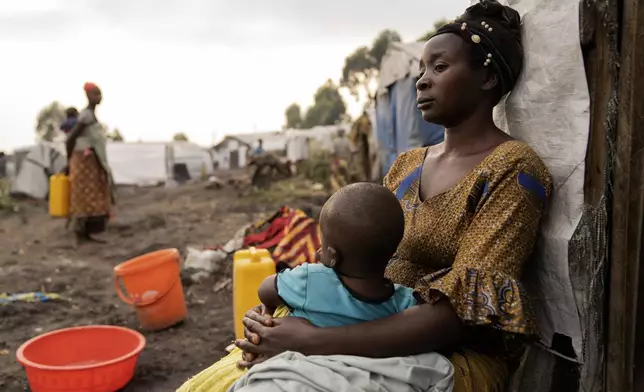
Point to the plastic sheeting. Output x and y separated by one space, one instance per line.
400 62
385 133
141 164
549 110
399 125
41 160
198 160
146 164
301 142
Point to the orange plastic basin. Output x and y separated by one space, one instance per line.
81 359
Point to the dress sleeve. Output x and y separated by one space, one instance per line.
86 117
483 282
291 285
404 164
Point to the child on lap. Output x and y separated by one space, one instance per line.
361 226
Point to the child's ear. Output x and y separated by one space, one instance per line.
334 260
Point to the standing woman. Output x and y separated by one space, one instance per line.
92 188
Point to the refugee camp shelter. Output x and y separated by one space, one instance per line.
399 126
33 166
232 151
273 141
301 143
134 164
149 163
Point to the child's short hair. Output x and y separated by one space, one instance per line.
71 112
364 221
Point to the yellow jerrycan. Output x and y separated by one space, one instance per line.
250 268
59 195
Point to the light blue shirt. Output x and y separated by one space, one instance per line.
316 293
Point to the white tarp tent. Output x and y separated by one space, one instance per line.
300 141
35 166
197 159
146 164
142 164
230 153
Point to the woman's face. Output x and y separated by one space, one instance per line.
94 96
449 89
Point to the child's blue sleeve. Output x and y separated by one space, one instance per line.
406 298
291 286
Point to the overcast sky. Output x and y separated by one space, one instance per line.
204 67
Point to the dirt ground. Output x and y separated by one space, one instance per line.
35 255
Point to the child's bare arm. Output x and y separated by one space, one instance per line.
268 293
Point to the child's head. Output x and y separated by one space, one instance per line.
71 112
362 225
71 116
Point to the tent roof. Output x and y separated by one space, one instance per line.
400 61
318 131
226 139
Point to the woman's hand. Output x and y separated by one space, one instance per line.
276 336
260 313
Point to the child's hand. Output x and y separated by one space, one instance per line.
251 359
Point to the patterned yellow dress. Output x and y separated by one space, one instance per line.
469 245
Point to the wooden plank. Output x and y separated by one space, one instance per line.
628 202
600 73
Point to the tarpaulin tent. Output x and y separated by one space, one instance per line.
145 164
399 126
34 166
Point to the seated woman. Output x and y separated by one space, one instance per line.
473 207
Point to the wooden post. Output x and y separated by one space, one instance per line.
628 203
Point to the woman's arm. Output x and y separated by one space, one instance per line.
73 135
420 329
417 330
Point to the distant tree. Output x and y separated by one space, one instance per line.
49 120
437 25
180 137
381 45
293 116
115 135
361 67
328 108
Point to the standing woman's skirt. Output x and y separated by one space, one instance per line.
90 199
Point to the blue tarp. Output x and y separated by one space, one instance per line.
399 125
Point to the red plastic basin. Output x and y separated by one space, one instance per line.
99 358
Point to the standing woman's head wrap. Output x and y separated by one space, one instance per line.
89 87
94 95
493 32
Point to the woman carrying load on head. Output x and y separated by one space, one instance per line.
473 207
92 189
